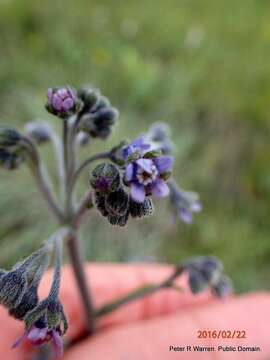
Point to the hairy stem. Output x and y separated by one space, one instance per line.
43 183
58 146
85 204
82 283
57 238
42 178
66 164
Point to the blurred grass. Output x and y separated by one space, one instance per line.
201 66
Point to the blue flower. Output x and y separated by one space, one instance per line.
184 203
146 176
136 149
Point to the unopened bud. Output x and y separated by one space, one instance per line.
40 132
89 97
83 139
100 204
140 210
62 102
117 220
9 160
105 178
9 137
117 202
223 287
196 281
29 302
13 286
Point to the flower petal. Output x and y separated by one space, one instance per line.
137 192
164 163
196 207
160 189
129 173
37 335
57 343
68 103
145 164
140 141
186 215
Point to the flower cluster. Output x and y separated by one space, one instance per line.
145 170
120 192
94 115
45 321
112 199
207 272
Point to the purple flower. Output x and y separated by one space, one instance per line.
147 176
39 334
61 101
136 149
184 203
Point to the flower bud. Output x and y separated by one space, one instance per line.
204 271
40 132
117 202
28 303
98 124
49 310
118 220
197 282
223 287
62 102
105 178
13 286
9 160
103 102
211 269
159 132
89 97
55 314
100 204
140 210
83 139
9 137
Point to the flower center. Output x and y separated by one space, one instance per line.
145 178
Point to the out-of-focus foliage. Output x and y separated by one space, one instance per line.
201 66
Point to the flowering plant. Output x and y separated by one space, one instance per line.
121 187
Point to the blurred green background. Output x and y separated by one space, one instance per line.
202 66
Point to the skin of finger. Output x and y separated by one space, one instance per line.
107 281
151 339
